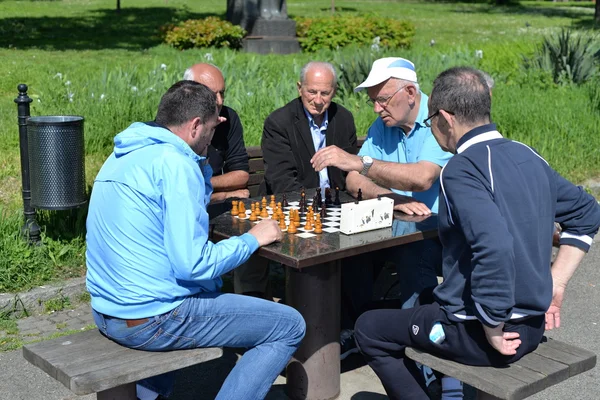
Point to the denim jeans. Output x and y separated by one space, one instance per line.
418 265
272 332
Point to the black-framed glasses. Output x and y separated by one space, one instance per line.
427 121
383 101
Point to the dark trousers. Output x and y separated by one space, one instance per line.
382 336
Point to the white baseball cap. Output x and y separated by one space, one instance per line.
386 68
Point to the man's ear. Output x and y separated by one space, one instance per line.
195 125
449 118
299 86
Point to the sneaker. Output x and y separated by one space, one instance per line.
347 343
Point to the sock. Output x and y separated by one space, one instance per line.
452 388
143 393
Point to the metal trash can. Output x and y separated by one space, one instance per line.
56 162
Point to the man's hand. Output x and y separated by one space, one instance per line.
240 194
411 206
333 156
266 232
505 343
553 313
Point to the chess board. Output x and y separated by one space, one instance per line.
331 223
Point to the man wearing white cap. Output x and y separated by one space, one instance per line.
400 155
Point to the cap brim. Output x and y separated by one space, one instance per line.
370 82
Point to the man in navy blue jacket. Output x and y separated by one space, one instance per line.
498 203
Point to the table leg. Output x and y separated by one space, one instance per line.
314 372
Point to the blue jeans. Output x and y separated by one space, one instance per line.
418 265
272 332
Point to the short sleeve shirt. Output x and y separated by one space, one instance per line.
227 151
391 144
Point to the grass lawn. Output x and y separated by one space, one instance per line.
82 57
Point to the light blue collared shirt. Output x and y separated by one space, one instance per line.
391 144
318 137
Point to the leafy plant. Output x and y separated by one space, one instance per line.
208 32
342 30
569 56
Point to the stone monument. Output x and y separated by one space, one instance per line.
267 23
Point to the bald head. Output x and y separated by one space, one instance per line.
210 76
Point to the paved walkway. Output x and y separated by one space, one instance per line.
581 327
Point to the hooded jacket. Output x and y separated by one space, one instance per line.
147 227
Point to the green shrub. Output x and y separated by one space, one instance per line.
208 32
339 31
569 56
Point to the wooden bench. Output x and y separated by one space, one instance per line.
257 167
87 362
552 362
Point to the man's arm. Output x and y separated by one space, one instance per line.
281 172
234 180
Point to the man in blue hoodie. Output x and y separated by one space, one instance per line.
498 203
154 276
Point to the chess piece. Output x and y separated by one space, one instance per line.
242 213
282 225
272 203
234 208
253 216
318 229
319 197
275 215
292 228
284 201
323 212
308 225
264 202
359 196
328 197
337 201
264 213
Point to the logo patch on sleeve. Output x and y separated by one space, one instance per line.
415 329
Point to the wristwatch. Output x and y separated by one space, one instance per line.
367 162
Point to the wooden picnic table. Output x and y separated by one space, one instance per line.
313 277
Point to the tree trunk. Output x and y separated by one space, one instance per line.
118 5
597 14
332 6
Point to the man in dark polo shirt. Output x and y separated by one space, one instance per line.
227 152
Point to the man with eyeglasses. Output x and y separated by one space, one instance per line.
227 152
498 205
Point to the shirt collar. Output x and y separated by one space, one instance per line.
479 134
311 120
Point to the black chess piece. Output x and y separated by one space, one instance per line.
323 211
319 197
328 197
359 196
302 204
315 202
337 201
284 202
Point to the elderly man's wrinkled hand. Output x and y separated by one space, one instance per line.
411 206
333 156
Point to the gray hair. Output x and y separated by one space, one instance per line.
320 64
488 79
405 82
463 92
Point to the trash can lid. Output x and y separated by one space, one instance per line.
54 119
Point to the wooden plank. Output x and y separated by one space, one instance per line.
256 179
579 360
254 152
253 191
487 379
256 164
88 362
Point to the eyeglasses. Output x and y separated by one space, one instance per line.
427 122
383 101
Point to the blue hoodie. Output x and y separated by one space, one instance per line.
147 227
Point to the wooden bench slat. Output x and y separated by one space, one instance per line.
93 363
254 151
552 362
256 164
483 378
256 179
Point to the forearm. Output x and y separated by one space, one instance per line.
566 262
230 181
411 177
369 189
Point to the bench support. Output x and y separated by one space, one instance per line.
485 396
123 392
